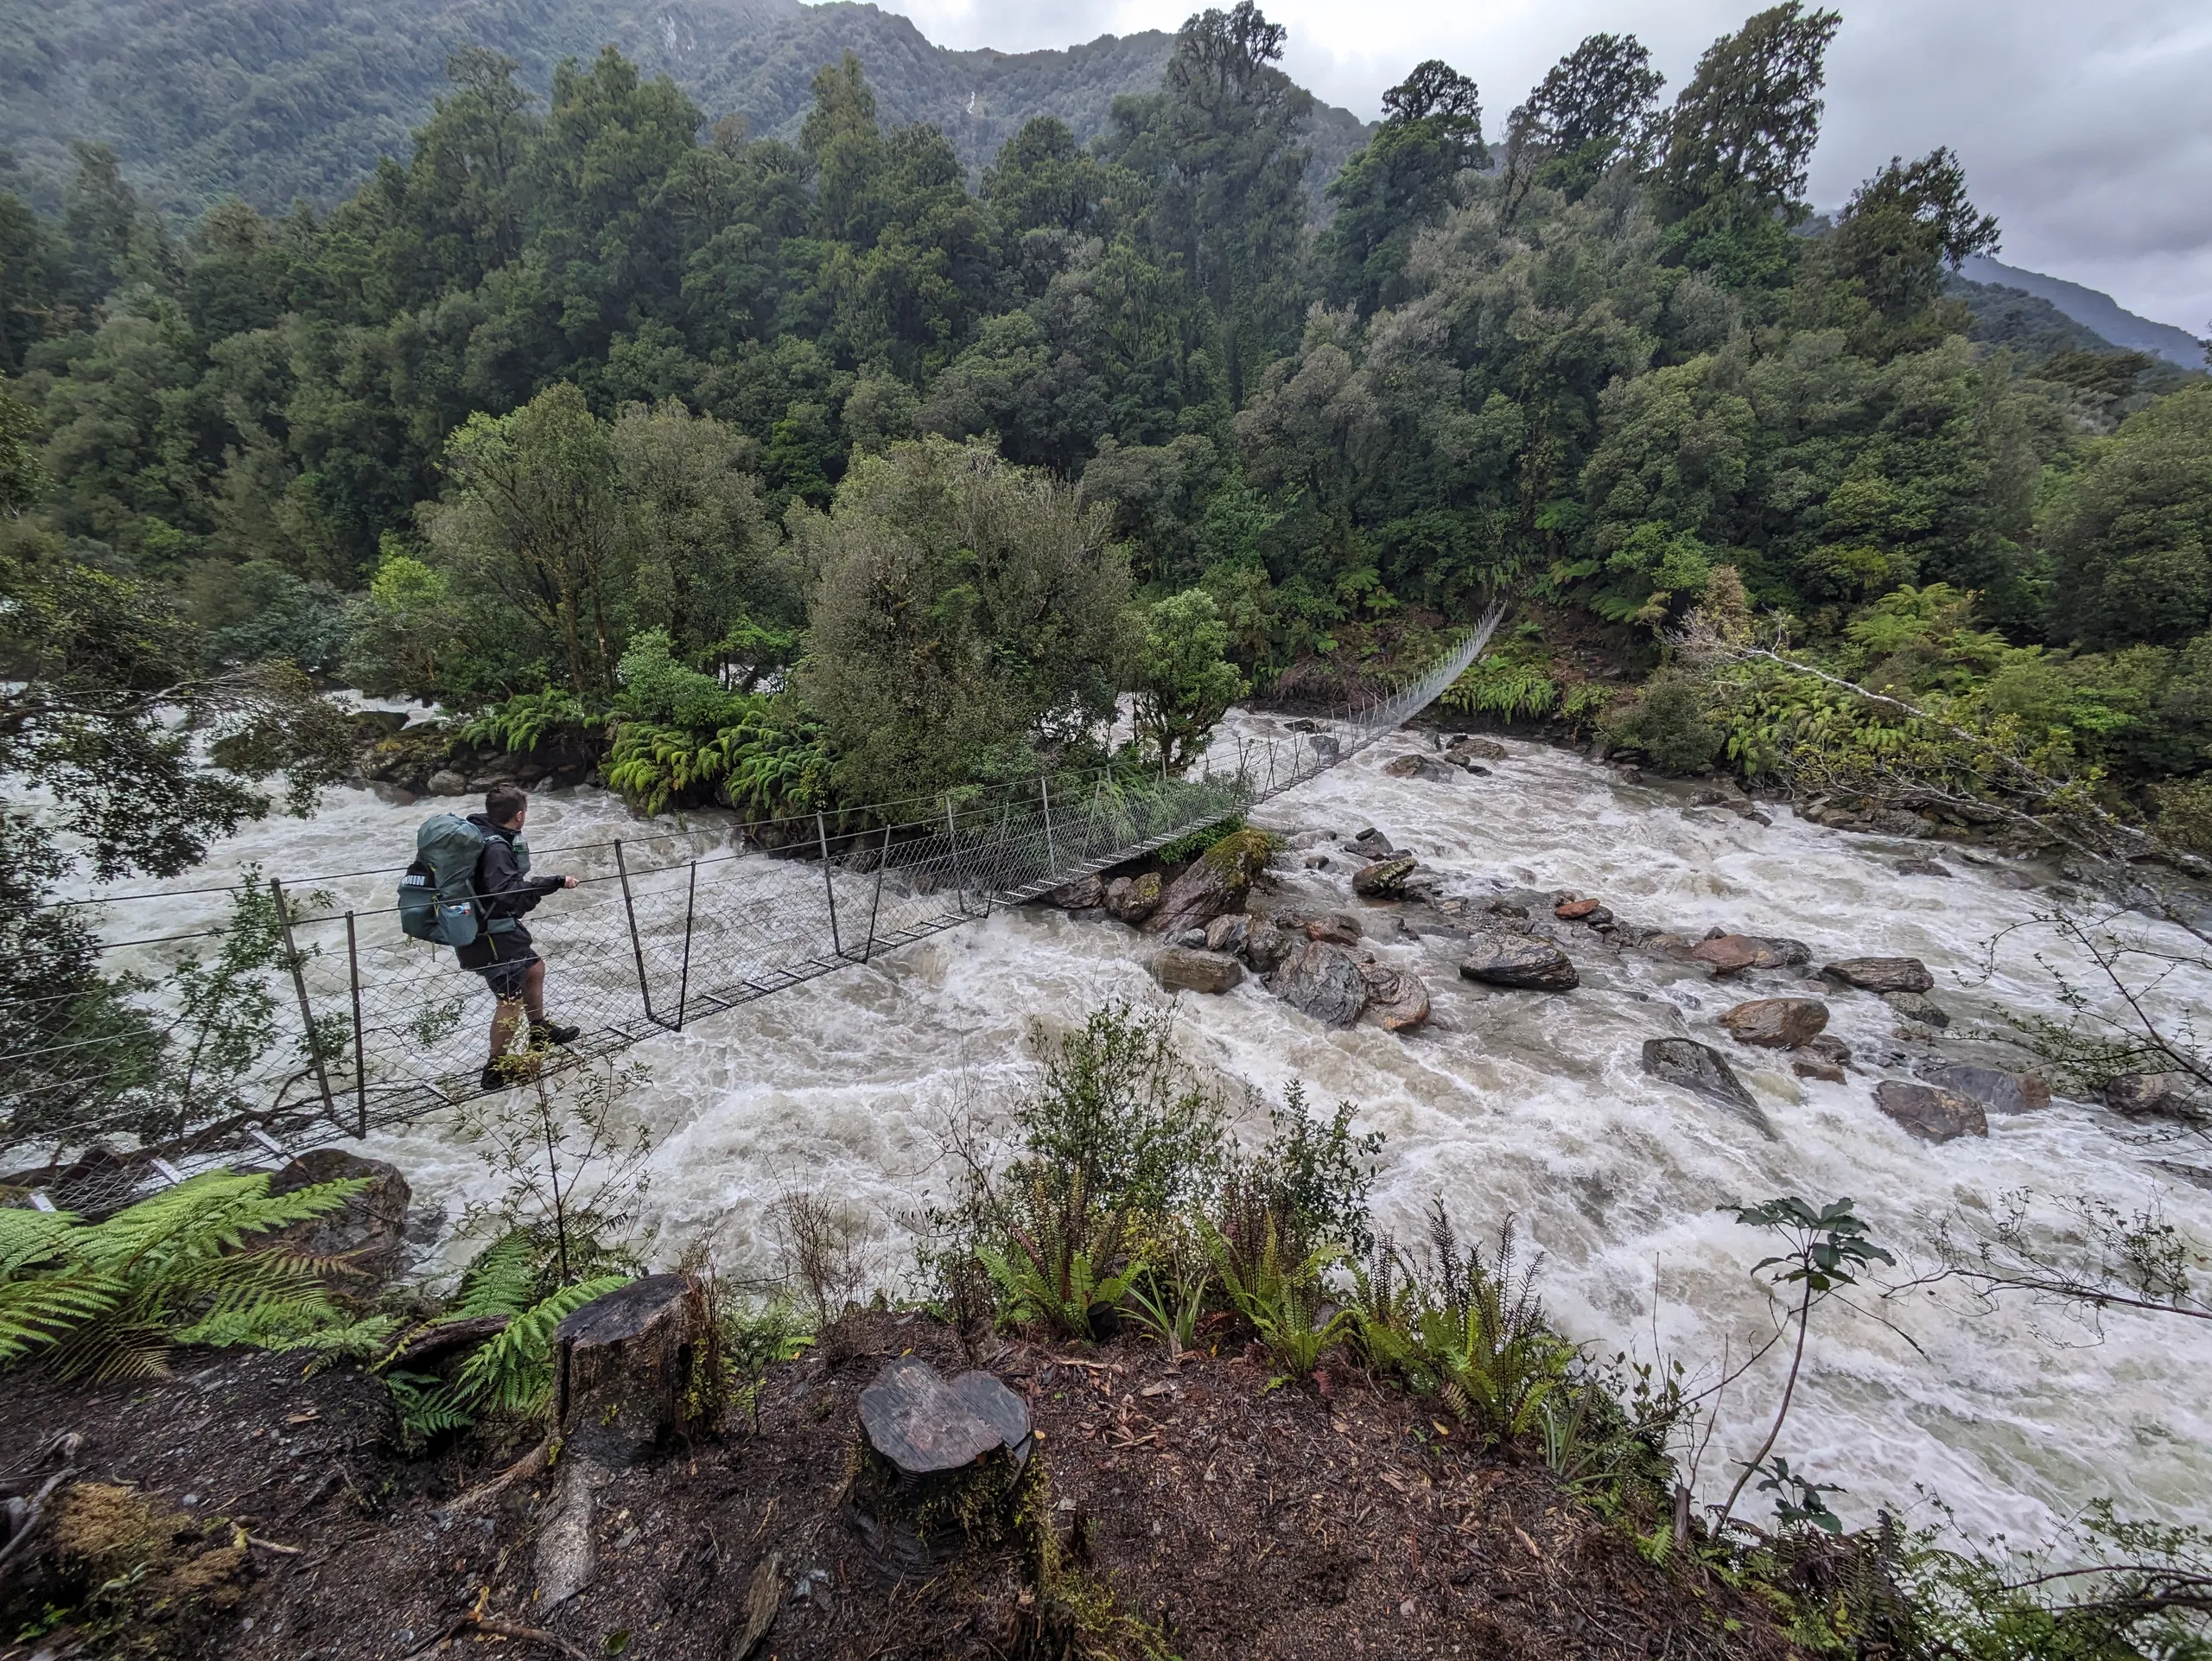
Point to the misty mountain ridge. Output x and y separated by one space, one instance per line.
274 100
2093 310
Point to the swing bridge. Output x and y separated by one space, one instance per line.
350 1027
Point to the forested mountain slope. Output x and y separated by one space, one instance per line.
277 100
2093 309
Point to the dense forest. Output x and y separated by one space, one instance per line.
800 473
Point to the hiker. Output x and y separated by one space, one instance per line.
501 952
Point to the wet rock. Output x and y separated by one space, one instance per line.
1914 1007
1084 894
1895 822
2151 1096
1133 899
1575 910
1214 882
1229 933
2195 1174
1708 797
1922 868
1322 980
1731 954
368 1233
1193 937
398 796
1880 974
1776 1024
1398 996
1336 928
1418 765
1197 970
1325 747
1302 725
1521 961
1383 879
1997 1089
1806 1064
1265 945
1697 1067
1466 748
1930 1112
1372 843
446 782
1830 1047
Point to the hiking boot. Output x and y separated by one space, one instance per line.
544 1034
503 1071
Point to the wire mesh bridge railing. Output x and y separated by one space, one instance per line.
345 1026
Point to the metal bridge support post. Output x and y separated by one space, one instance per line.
637 945
875 900
1052 854
952 855
360 1069
300 989
684 983
829 887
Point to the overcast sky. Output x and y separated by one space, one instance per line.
2086 125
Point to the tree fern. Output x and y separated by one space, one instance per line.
111 1299
502 1280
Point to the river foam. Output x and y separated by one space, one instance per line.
1507 1104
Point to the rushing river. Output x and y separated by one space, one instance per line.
1507 1104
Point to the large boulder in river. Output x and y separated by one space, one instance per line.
1731 954
1930 1112
1230 933
1880 974
1086 893
1133 899
1398 996
2153 1096
1521 961
1323 981
1418 765
1383 879
1776 1024
1215 881
1180 968
1466 748
1998 1091
1700 1068
365 1236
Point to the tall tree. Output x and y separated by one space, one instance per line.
1219 144
1389 192
1905 226
1739 140
1594 108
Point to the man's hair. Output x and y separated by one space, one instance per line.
503 802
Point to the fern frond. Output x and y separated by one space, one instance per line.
28 1238
513 1373
206 1217
39 1311
503 1279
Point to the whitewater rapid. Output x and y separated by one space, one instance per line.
1508 1104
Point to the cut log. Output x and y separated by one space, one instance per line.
623 1371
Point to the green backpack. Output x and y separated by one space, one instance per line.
437 895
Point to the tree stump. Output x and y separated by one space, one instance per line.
628 1370
940 1464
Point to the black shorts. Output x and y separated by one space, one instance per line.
505 978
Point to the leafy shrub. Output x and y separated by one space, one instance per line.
1669 723
1118 1140
109 1299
